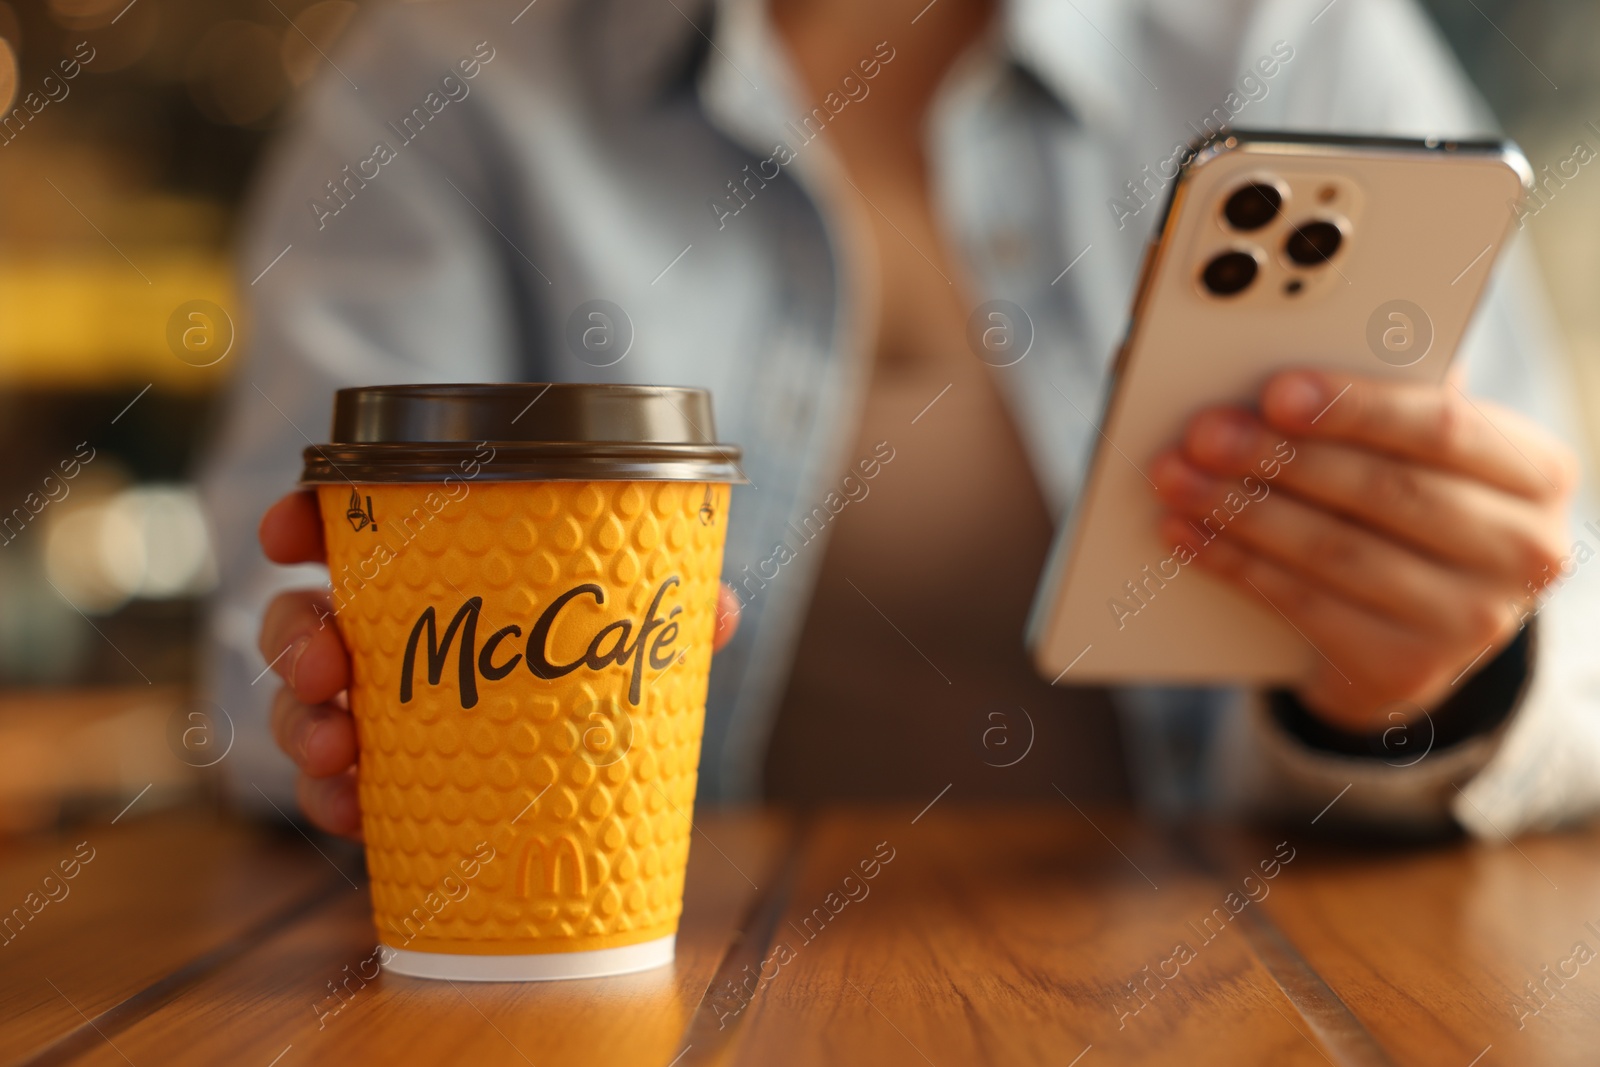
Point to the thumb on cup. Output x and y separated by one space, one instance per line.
727 617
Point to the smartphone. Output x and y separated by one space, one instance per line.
1364 255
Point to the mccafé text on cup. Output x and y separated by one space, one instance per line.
526 577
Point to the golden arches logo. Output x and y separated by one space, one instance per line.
550 854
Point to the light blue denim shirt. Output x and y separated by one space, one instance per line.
464 176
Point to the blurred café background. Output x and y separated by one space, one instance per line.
129 137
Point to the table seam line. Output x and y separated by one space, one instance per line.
1276 954
150 998
759 924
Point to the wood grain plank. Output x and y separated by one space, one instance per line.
276 1000
1008 937
1433 948
156 894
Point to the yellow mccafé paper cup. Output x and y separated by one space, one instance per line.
526 577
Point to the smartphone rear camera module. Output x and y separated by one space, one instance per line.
1252 206
1314 243
1230 273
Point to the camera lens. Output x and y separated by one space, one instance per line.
1314 243
1230 273
1252 206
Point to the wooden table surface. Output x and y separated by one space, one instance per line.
1008 936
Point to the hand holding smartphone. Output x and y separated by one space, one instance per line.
1361 256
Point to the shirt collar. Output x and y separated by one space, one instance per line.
1088 53
746 82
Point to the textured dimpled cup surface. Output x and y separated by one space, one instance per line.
530 662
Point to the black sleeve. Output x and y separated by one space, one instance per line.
1483 702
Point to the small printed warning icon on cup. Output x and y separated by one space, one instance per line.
360 518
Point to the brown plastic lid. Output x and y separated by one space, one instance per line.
522 432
